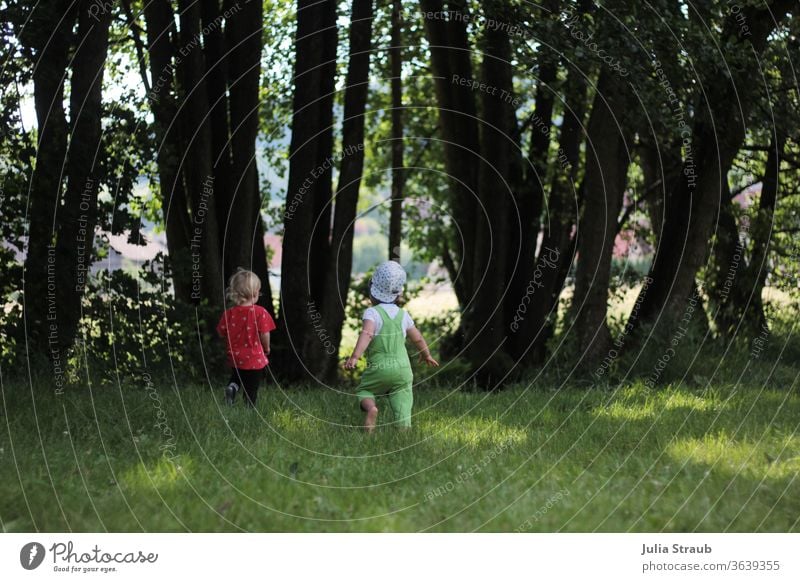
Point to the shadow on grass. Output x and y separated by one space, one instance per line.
630 459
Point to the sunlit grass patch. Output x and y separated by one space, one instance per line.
676 399
634 458
162 473
621 411
769 457
474 431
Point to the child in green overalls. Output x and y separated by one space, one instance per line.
382 337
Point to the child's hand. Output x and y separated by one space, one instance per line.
428 359
350 363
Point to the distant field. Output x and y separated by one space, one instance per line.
433 301
438 299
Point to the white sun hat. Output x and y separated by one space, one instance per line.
387 281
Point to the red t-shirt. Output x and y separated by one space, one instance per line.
241 326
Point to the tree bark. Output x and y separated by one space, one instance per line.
244 230
49 35
558 244
197 164
606 178
161 40
219 47
726 267
761 236
305 155
484 321
337 284
662 165
690 212
77 217
450 64
524 229
738 273
398 178
323 184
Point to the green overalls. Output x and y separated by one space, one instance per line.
389 369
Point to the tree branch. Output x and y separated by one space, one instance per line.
137 42
626 214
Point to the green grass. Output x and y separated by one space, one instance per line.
539 459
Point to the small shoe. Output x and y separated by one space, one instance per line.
230 393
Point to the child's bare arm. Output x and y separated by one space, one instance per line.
366 335
424 353
264 337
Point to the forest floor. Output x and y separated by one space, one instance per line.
150 458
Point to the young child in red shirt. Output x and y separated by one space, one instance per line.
245 327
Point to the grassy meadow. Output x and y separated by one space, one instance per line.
148 457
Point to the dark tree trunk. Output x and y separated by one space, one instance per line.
691 209
197 163
484 321
216 59
459 288
323 185
244 228
49 35
727 265
738 273
398 179
524 228
761 236
161 38
607 162
558 245
77 217
305 155
661 166
450 63
325 354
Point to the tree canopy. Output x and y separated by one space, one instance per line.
535 159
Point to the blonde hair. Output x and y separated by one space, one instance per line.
243 286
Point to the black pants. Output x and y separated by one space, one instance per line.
247 381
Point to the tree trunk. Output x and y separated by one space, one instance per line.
484 321
761 236
323 184
313 18
78 216
727 265
244 228
49 34
161 37
606 178
398 179
220 52
662 165
558 245
197 164
738 274
524 229
337 285
691 210
450 64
